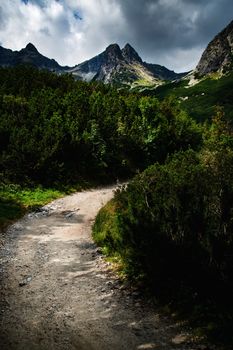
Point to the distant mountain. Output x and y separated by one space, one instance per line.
123 67
218 56
28 55
114 66
163 73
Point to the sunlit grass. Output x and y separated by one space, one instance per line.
15 200
201 99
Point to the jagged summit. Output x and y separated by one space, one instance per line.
218 56
113 52
31 47
130 54
122 67
113 48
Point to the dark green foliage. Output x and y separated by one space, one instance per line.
177 217
173 226
188 200
54 129
159 218
9 210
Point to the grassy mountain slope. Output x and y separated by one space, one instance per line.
201 99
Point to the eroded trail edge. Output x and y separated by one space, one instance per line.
58 292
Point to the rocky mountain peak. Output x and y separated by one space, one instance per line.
28 56
30 47
130 54
114 51
218 56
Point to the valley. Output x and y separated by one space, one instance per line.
166 236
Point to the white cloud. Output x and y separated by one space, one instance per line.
169 32
55 30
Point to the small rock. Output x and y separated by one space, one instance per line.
18 227
203 347
115 286
69 215
25 281
179 339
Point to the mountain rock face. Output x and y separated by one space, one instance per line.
28 55
218 56
130 55
123 67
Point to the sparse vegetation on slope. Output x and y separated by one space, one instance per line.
201 99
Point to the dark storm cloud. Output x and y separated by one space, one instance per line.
160 27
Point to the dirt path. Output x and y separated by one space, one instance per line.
57 291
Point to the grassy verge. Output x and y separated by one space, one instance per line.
107 234
104 226
16 200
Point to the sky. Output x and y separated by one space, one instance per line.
172 33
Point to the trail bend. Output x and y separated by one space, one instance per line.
58 292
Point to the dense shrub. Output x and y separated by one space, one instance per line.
55 129
173 223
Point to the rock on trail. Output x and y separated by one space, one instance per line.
58 293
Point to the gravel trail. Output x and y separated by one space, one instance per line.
58 292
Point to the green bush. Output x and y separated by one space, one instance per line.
173 222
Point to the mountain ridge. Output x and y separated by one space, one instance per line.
113 66
28 55
123 66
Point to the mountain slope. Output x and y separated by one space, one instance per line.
28 55
199 100
123 67
209 85
218 56
162 72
